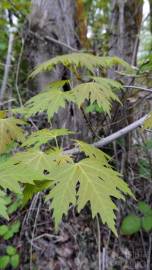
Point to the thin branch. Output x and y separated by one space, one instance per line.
112 137
99 243
127 75
140 88
56 41
17 74
7 101
7 65
61 43
149 252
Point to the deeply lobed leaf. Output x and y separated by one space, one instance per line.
40 137
10 130
84 60
94 92
97 183
3 205
50 101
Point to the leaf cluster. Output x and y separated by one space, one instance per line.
31 168
132 223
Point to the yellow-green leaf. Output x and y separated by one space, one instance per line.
97 185
50 101
85 60
10 130
40 137
94 92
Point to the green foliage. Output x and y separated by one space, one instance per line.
10 130
12 258
144 169
94 92
132 224
4 261
93 152
3 205
97 183
19 168
14 206
94 108
7 232
17 6
34 168
145 162
31 190
147 223
148 121
50 101
40 137
78 60
3 230
108 84
144 208
12 229
14 261
100 90
11 250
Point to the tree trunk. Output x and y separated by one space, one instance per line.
54 20
125 24
150 5
126 18
48 19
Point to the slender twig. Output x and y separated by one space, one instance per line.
99 242
127 75
33 124
103 258
7 101
143 244
149 252
17 74
112 137
56 41
33 232
138 88
89 124
7 65
17 12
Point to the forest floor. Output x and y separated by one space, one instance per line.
76 245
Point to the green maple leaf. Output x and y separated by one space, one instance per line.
49 161
93 152
94 92
64 191
57 155
25 167
40 137
84 60
50 101
148 121
10 131
3 205
35 160
108 84
30 190
97 184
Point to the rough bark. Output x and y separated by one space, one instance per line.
150 5
125 23
53 19
48 20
